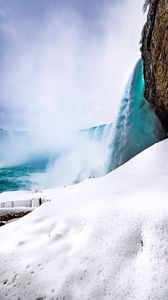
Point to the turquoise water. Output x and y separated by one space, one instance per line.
19 177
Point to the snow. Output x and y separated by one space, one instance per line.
105 238
27 195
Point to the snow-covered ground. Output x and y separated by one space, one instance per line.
27 195
105 238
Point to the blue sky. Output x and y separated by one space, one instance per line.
65 61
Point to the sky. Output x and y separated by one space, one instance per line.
65 63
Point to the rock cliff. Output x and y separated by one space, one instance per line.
154 49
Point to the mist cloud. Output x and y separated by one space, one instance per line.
62 70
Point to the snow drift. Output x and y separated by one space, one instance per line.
105 238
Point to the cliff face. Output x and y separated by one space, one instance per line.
155 56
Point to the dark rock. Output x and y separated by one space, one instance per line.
2 223
154 49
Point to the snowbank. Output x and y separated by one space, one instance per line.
105 238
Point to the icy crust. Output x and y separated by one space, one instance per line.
105 238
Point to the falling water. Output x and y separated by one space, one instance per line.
100 133
137 127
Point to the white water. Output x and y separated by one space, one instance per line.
87 156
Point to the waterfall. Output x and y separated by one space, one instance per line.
137 127
86 153
99 134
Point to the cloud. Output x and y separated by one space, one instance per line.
58 74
